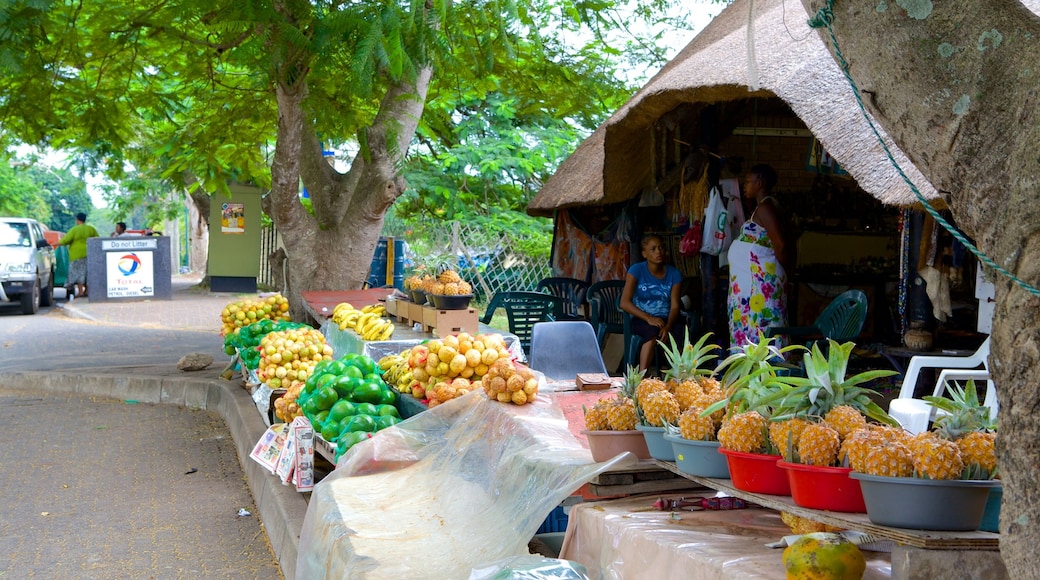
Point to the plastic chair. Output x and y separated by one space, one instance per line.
633 341
605 316
562 349
914 414
571 290
523 310
842 320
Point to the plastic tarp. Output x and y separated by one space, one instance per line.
443 493
626 539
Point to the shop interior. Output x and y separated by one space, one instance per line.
844 238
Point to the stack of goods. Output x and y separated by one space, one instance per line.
245 312
346 401
450 367
368 322
447 283
287 359
246 341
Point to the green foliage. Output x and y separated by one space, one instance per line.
20 196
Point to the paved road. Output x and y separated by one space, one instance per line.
100 488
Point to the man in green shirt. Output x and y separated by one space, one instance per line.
76 240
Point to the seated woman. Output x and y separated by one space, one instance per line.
651 296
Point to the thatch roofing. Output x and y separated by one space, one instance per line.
791 62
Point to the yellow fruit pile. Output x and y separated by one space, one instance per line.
396 371
245 312
287 358
368 322
509 382
450 367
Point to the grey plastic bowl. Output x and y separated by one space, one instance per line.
418 296
445 302
925 504
659 448
701 458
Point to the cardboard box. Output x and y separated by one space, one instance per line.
445 322
593 382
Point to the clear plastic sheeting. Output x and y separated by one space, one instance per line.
530 568
447 491
626 539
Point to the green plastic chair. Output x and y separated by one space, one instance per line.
571 290
523 310
604 314
842 321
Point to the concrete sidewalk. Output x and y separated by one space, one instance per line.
193 316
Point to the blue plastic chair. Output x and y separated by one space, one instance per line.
562 349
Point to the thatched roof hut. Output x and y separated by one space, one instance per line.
781 57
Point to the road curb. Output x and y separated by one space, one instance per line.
73 312
281 508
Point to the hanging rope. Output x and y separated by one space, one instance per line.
824 18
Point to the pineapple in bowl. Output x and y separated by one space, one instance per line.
819 422
934 480
610 425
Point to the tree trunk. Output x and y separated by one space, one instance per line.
955 85
198 231
332 249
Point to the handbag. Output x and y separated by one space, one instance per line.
714 236
690 243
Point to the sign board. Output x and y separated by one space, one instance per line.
130 273
142 243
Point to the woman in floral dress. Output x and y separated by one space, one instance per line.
756 264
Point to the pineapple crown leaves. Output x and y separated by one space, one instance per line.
750 378
633 376
964 411
826 386
687 362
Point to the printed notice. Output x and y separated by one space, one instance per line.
130 274
232 218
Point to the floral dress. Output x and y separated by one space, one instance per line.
756 286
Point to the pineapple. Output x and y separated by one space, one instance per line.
687 393
845 419
694 427
978 449
857 445
622 415
706 400
596 417
659 407
968 423
449 276
891 459
800 525
784 435
647 386
684 362
818 445
745 432
938 459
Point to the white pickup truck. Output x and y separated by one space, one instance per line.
26 264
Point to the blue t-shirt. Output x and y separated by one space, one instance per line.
654 295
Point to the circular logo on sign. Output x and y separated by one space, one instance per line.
128 264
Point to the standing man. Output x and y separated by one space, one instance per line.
76 240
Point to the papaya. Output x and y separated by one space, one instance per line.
823 556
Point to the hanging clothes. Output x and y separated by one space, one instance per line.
577 254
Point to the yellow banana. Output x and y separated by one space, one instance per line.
374 329
387 332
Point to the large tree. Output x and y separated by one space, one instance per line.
956 85
203 92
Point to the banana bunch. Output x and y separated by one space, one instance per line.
368 322
396 371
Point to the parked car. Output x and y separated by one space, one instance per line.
26 264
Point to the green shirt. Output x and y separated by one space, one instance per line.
76 240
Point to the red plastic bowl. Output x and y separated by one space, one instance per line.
756 472
824 488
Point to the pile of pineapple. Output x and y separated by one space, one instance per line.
685 393
447 283
961 444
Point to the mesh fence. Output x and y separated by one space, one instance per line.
490 262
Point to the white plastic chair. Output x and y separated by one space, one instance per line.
914 414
